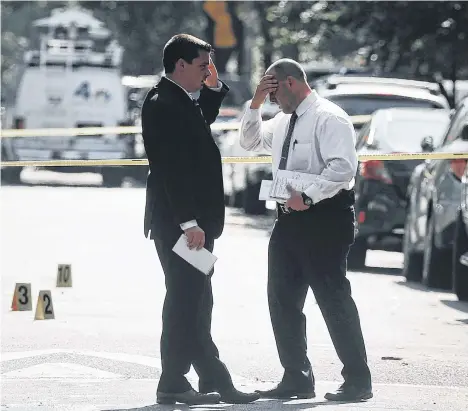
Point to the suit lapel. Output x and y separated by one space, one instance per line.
173 91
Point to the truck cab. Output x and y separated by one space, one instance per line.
71 79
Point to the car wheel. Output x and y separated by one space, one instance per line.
357 254
436 262
252 205
112 177
412 260
11 175
234 199
459 270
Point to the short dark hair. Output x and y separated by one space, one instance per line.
183 46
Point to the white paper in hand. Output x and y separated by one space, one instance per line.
201 259
264 194
284 178
265 187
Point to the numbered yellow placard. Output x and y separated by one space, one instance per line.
64 275
44 307
22 297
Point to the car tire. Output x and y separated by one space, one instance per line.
112 177
234 200
436 262
251 204
357 255
11 175
138 173
459 270
412 260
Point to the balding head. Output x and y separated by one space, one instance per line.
284 68
292 84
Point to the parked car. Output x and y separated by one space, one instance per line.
434 195
460 241
226 115
381 186
360 96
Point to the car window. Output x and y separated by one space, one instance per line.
405 135
456 125
366 104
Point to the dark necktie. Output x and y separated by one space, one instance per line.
195 103
287 142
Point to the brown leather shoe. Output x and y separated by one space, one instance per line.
190 397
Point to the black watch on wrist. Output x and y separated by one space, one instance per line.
306 199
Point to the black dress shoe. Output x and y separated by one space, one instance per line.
350 392
233 396
190 397
283 391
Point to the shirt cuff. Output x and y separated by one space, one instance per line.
188 224
314 193
218 87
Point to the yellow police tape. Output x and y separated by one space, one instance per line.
93 131
226 160
224 126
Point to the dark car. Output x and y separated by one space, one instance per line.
434 197
460 241
381 186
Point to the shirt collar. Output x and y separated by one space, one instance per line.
306 103
177 84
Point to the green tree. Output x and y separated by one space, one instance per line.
16 19
143 27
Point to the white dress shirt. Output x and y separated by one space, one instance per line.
193 223
322 144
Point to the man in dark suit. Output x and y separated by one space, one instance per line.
185 194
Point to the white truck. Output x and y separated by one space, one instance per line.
71 79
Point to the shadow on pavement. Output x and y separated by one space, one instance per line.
261 405
457 305
53 185
379 270
421 287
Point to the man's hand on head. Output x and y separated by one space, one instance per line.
212 80
268 84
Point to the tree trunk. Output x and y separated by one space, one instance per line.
265 30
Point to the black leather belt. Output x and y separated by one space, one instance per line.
343 200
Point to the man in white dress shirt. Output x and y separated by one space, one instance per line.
314 229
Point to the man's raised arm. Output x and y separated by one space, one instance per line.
256 134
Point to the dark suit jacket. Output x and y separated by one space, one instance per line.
185 180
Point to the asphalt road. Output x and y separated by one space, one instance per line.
101 352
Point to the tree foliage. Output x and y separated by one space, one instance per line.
413 37
416 37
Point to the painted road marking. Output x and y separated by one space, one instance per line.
155 362
60 371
